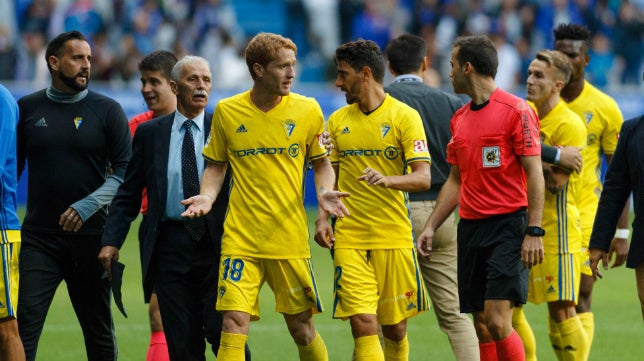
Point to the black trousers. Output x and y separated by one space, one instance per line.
45 261
186 274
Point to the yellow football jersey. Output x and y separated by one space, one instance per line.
387 140
603 121
561 218
267 153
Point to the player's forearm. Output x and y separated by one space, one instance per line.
420 179
536 189
101 197
212 180
446 202
323 176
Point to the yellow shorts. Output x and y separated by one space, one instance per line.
383 282
556 279
292 282
10 276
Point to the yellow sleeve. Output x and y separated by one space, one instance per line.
614 120
334 157
215 148
413 138
315 146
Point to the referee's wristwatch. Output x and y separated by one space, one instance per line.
535 231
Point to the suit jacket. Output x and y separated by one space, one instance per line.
625 174
148 168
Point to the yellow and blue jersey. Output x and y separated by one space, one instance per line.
603 121
561 218
387 140
267 153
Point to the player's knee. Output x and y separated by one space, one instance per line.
301 327
395 332
364 325
236 322
498 327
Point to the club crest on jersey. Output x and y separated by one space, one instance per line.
588 116
491 156
384 130
78 121
289 126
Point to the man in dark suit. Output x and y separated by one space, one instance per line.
625 174
179 259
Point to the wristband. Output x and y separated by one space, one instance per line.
558 156
622 233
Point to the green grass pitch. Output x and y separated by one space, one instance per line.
618 335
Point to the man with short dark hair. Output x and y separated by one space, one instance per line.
155 71
77 145
407 58
497 181
375 137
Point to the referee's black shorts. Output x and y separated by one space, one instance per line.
489 260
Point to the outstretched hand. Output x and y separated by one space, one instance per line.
198 206
331 202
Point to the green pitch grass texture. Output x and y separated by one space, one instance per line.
619 329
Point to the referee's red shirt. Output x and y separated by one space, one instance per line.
487 143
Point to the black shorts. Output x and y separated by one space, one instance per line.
489 260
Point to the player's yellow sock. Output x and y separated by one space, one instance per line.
521 325
555 338
367 348
315 351
397 350
588 321
231 347
574 340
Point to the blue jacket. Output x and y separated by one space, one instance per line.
8 169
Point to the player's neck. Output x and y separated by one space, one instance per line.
263 100
546 106
373 100
573 89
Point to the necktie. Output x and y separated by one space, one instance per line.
196 226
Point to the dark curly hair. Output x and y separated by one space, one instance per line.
362 53
572 32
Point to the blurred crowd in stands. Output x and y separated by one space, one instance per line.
123 31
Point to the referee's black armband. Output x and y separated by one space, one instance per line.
549 154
